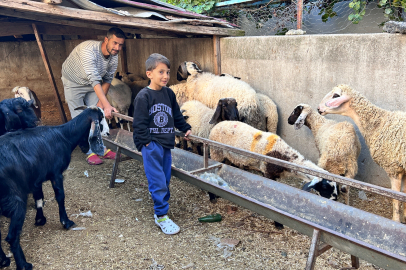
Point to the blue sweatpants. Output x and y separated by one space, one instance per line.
157 166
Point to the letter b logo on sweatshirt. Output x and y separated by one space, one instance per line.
160 119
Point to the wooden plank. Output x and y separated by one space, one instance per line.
217 55
15 28
76 23
205 155
123 59
50 74
102 17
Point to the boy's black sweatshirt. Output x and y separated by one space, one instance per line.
156 114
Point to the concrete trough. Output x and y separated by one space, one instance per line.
371 237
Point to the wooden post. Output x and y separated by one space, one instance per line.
50 74
299 13
206 155
354 262
311 260
217 55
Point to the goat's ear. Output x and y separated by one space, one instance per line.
81 108
216 114
95 139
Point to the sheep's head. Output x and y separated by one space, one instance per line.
188 68
298 116
25 93
226 111
337 101
323 187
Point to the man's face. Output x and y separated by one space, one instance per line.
114 44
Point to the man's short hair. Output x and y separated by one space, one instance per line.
154 59
115 31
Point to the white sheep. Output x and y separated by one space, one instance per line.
268 108
28 95
243 136
337 142
384 132
209 88
202 119
119 96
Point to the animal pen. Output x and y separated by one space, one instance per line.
193 37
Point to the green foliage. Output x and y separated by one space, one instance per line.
391 9
198 6
327 12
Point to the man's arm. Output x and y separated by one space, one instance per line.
101 92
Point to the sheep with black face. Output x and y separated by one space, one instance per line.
32 156
337 142
202 119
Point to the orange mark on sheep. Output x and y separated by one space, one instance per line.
271 142
255 140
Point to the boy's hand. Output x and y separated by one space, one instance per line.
186 134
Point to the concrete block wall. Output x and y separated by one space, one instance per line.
303 69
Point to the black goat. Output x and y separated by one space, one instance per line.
32 156
16 113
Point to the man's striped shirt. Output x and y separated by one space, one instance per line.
86 64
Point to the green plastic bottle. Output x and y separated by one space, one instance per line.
211 218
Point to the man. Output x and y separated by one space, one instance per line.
87 74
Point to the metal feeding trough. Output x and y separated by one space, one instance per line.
330 224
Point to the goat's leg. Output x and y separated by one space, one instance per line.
57 184
396 185
13 238
40 219
4 261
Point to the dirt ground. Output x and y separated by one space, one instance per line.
121 234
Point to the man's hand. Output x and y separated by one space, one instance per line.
108 110
186 135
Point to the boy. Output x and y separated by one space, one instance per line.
156 114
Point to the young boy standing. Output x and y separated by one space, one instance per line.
156 115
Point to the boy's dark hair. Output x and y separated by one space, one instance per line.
154 59
115 31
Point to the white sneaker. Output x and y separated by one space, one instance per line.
166 224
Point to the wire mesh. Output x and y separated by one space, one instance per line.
319 17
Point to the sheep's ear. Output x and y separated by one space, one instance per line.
15 89
295 115
337 102
216 114
95 139
81 108
308 186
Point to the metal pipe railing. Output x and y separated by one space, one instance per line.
323 174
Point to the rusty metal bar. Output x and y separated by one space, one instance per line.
323 174
205 169
311 260
206 155
299 13
354 262
115 167
50 74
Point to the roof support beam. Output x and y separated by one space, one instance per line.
50 74
112 19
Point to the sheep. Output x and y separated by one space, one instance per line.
119 96
384 132
209 88
243 136
15 114
337 143
28 95
202 119
136 84
33 156
267 108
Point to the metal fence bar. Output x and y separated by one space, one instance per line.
323 174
